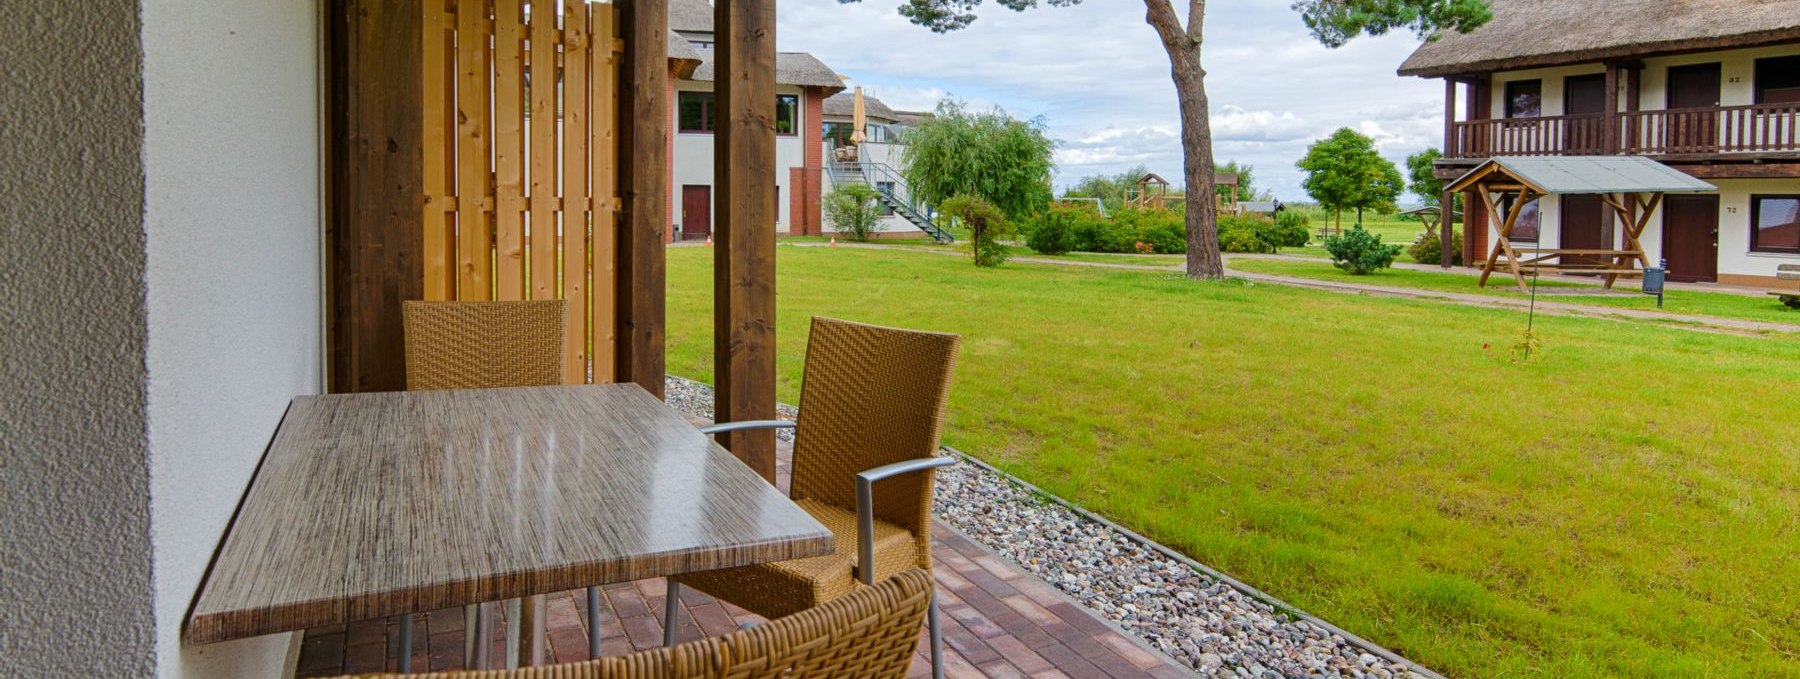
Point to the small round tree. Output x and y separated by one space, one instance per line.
986 224
854 209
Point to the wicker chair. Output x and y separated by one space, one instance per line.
871 410
481 345
869 633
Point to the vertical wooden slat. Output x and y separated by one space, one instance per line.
575 179
603 93
438 77
545 199
509 149
744 227
474 256
643 175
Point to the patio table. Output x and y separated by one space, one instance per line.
379 504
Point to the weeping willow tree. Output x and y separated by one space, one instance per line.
960 152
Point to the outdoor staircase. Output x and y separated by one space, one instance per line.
890 188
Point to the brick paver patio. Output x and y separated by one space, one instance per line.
999 621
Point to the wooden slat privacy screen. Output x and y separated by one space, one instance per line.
520 104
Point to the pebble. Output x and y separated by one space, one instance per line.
1216 629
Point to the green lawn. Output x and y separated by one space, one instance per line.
1628 504
1688 302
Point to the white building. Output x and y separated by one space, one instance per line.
802 83
1710 91
877 161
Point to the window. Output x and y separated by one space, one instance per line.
1524 99
1778 80
695 111
787 114
838 133
1526 228
1775 224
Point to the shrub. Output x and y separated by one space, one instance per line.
1164 230
855 210
1290 230
1168 238
1360 252
986 224
1244 234
1427 248
1052 232
1239 239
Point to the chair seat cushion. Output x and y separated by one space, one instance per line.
774 590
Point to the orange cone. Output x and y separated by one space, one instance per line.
834 241
709 240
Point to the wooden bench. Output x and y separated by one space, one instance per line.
1788 272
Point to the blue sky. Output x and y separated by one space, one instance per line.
1097 75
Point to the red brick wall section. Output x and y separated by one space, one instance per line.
814 163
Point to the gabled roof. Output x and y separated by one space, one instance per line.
1537 33
791 68
1563 175
843 105
684 55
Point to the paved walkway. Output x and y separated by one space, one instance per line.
999 621
1544 306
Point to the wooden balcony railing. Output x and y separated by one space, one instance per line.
1756 128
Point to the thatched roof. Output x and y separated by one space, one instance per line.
1537 33
691 16
843 105
683 55
791 68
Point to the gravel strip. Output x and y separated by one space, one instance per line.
1213 627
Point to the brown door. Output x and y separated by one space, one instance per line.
1583 227
1691 237
1693 98
696 212
1584 100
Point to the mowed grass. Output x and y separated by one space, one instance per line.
1627 504
1687 302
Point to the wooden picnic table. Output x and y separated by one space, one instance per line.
381 504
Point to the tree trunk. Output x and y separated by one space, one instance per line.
1183 48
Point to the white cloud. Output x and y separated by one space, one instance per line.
1099 77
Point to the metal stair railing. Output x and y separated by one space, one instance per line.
922 216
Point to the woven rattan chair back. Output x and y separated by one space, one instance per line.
870 633
872 396
478 345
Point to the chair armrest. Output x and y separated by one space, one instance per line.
865 505
747 425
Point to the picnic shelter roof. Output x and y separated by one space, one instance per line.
1558 175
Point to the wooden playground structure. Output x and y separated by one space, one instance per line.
1633 186
1152 193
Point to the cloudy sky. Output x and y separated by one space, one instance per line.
1099 78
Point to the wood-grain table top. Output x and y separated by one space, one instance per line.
370 505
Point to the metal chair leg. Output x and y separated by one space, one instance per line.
593 622
513 625
670 607
404 663
937 637
484 636
471 631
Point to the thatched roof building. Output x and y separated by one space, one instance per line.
1538 33
843 104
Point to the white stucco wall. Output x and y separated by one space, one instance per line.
75 565
232 215
693 162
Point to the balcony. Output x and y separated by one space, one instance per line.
1695 132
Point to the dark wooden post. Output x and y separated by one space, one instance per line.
643 172
1446 228
1451 149
1609 130
374 216
744 226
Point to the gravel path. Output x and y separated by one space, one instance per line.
1217 629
